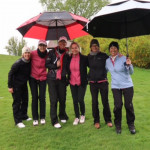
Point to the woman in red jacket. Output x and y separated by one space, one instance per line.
38 81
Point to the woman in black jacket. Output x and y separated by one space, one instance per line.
17 86
77 74
56 63
98 83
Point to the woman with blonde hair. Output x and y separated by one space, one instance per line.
17 86
77 73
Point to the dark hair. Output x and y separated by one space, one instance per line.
114 44
94 41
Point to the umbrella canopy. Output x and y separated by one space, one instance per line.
121 20
125 19
52 25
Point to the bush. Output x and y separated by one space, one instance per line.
140 56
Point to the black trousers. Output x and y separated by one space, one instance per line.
38 91
103 88
57 92
128 96
20 103
78 93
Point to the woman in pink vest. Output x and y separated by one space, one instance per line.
77 73
38 82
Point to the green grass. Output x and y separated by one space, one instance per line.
81 137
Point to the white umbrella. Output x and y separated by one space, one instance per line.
121 20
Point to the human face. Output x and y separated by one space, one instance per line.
94 48
75 49
62 44
113 51
26 55
42 48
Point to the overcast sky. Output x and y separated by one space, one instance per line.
12 14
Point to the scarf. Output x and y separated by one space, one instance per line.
42 54
24 60
94 53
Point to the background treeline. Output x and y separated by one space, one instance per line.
138 47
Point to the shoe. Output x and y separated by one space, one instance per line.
118 130
28 119
109 124
35 122
132 129
43 121
57 125
63 121
20 125
76 121
82 119
97 125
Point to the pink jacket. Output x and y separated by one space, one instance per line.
38 69
75 78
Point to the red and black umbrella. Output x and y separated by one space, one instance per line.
52 25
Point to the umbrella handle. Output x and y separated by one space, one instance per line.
127 48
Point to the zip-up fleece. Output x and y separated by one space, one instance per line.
120 72
97 70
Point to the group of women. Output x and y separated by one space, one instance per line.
65 68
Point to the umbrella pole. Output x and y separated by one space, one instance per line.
127 47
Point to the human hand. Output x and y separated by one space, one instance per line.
11 90
128 61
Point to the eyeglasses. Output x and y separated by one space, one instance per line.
42 45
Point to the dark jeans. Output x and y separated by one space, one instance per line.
128 96
78 93
38 91
103 88
20 103
57 92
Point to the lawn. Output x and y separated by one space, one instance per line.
81 137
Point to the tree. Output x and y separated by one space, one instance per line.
85 8
15 46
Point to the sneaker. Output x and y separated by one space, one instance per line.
20 125
76 121
63 121
35 122
57 125
43 121
28 119
109 124
82 119
97 125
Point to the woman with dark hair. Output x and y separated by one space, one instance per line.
121 85
77 67
38 82
98 83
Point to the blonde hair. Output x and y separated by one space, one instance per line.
75 44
